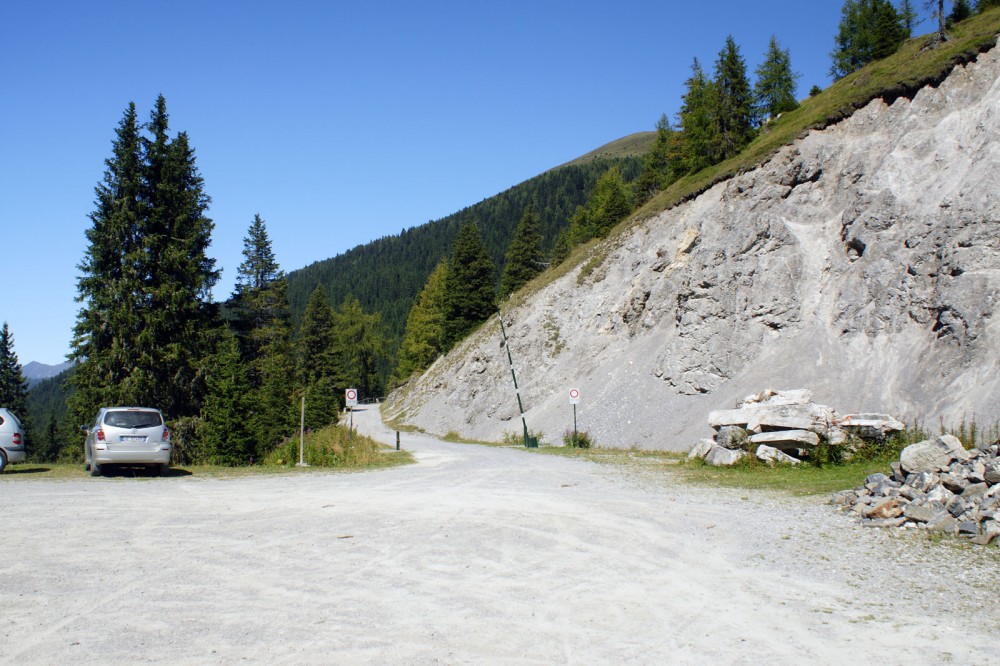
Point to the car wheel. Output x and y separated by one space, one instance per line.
86 462
95 469
160 470
3 460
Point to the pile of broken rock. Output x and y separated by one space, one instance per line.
936 485
784 427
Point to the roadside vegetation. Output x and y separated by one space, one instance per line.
828 471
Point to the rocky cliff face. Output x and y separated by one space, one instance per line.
861 263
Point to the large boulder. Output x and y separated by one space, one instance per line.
787 439
732 437
721 457
701 449
932 455
771 455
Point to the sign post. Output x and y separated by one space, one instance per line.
351 399
574 399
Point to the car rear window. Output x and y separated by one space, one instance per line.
133 419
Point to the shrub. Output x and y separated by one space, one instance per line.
186 447
333 446
580 439
516 438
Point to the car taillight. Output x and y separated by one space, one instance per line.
17 439
100 435
166 434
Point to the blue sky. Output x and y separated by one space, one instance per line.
337 122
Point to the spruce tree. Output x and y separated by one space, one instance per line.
180 317
700 138
609 204
735 117
657 169
469 288
424 337
260 318
358 349
316 361
524 259
13 386
869 30
146 320
960 10
224 432
908 16
774 91
562 247
111 285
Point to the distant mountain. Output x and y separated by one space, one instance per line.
35 372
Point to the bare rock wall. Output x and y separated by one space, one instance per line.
862 263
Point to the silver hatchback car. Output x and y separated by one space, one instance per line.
12 443
130 436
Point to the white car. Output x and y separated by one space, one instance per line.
12 441
131 436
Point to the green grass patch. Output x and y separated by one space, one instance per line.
336 446
803 479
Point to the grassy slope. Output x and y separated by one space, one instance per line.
629 146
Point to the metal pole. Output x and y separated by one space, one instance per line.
574 424
397 440
513 375
302 434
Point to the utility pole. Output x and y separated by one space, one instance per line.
529 442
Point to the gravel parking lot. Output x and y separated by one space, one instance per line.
472 555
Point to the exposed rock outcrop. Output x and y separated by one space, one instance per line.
863 261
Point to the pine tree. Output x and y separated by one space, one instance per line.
469 288
657 169
424 337
983 5
525 258
869 30
224 431
774 92
13 386
699 147
735 117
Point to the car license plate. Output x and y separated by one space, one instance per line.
131 439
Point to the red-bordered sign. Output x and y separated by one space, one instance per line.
574 396
352 397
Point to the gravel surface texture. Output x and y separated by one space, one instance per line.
473 555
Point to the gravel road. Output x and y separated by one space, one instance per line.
473 555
